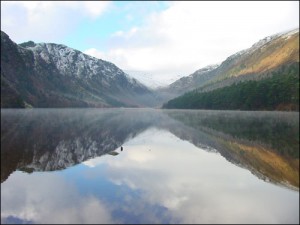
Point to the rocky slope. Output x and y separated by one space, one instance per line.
53 75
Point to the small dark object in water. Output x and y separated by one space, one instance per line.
121 148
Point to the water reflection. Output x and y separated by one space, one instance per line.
46 140
170 169
266 143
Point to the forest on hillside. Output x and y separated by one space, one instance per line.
278 92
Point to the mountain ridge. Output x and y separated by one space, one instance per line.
54 75
259 61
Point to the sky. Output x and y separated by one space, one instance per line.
164 40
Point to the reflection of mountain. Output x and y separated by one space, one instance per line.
43 140
266 143
52 139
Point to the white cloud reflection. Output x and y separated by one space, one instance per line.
199 187
189 35
157 178
49 199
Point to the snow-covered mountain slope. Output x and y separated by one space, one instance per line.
145 78
192 81
54 75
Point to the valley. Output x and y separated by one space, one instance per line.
45 75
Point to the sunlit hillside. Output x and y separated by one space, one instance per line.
269 56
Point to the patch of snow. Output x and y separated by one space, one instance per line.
288 34
74 63
266 40
144 78
207 69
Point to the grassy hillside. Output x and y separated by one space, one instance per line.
277 52
258 61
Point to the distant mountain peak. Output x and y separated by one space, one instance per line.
206 69
27 44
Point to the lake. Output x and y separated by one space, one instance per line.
149 166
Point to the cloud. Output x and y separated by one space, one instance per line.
195 187
190 35
49 199
46 21
95 53
167 40
94 8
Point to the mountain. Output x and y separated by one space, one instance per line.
275 54
190 82
257 62
145 78
54 75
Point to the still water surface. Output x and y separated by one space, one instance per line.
176 166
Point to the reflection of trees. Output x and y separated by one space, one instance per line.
276 130
266 143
